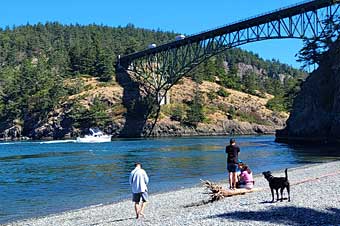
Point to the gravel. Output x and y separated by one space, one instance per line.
316 201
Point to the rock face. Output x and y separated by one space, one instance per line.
12 133
225 127
316 109
58 126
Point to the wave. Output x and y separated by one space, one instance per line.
6 143
57 141
36 142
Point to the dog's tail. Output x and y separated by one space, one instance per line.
286 173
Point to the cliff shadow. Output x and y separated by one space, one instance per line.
137 107
288 215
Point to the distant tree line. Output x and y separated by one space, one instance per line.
75 49
35 60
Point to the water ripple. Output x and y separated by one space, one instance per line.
43 155
78 175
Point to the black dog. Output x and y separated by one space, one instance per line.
277 183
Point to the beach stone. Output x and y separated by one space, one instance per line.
314 202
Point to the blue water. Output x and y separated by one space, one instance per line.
38 178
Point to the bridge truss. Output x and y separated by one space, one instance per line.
159 68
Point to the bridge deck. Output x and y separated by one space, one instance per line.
254 21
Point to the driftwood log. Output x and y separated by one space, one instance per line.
217 192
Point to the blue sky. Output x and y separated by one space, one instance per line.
181 16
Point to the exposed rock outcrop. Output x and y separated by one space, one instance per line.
226 127
12 133
246 68
58 126
316 109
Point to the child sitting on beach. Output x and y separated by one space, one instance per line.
246 178
238 173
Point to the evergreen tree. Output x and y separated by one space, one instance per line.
311 53
104 66
10 103
313 49
250 83
31 92
195 112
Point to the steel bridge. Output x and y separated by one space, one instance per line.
161 67
157 69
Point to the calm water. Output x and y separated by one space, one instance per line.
38 178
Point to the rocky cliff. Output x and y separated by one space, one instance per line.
316 109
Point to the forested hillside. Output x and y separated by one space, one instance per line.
43 65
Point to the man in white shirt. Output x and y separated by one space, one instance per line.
138 181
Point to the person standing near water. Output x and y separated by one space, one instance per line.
232 151
138 180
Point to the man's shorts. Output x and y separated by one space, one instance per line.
136 197
232 167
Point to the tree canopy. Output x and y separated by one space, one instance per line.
35 60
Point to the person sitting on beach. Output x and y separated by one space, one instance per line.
246 178
138 180
238 171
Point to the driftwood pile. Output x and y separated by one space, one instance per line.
217 192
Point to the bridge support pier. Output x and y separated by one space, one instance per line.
138 107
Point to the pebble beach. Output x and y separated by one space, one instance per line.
315 200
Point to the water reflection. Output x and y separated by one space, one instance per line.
314 153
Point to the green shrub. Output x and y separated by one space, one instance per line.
231 111
195 113
276 104
75 87
178 112
96 115
251 117
207 120
211 95
88 87
210 109
223 107
222 92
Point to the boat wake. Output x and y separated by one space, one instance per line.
7 143
57 141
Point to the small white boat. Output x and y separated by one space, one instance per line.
96 136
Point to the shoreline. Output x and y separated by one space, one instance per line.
168 208
184 135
